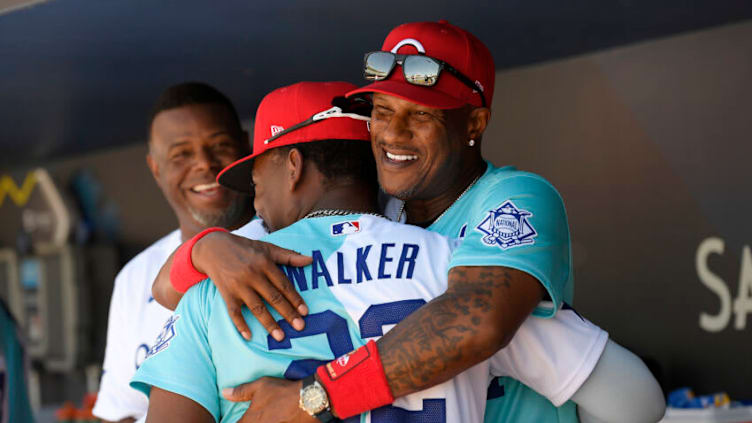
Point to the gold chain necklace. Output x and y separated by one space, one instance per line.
337 212
402 207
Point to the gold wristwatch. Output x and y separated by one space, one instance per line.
314 400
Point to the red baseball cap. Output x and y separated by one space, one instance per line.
449 43
296 114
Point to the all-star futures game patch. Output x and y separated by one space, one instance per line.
163 339
507 226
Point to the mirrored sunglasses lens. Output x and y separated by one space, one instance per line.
378 65
421 70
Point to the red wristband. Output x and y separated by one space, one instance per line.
356 382
183 275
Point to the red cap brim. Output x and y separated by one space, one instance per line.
237 176
426 96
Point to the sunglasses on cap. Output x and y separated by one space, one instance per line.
353 108
418 69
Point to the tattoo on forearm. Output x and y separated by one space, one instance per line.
428 347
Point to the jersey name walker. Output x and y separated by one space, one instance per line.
367 275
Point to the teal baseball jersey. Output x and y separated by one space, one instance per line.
511 401
514 219
367 274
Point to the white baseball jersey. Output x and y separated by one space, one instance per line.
367 274
135 321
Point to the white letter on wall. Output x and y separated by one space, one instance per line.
743 301
709 322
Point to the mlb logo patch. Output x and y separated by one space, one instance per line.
507 226
346 228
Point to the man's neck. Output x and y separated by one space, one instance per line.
190 228
353 197
425 212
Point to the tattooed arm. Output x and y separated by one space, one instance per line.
477 315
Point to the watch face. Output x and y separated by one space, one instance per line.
313 399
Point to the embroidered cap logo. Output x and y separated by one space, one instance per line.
276 129
411 42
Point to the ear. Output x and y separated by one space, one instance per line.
153 167
477 122
294 167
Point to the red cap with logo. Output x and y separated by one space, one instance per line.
299 113
451 44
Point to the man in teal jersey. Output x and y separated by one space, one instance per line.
427 142
341 168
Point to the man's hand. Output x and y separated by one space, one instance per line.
245 272
272 401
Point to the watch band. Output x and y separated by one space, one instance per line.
324 416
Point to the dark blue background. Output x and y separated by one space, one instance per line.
80 75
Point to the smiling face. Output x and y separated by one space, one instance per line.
188 147
419 150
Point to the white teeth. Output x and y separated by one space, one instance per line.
401 157
204 187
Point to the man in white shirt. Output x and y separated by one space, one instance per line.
194 132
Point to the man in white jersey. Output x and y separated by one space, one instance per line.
367 273
194 132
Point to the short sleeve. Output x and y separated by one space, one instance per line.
115 399
180 360
520 222
553 357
